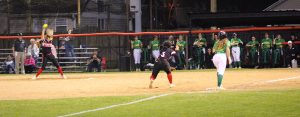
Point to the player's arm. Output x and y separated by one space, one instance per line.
241 41
43 33
131 44
232 42
228 53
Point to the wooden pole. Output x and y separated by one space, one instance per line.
78 13
151 14
8 16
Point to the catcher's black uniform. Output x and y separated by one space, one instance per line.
162 63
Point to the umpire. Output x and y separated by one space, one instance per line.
18 48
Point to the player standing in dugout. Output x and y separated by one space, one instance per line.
200 44
236 50
137 45
278 51
48 51
266 45
154 45
180 48
253 46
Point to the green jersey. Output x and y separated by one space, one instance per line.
154 45
278 43
136 44
200 43
235 41
253 45
181 45
266 43
220 49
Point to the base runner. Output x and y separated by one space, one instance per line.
222 53
162 63
48 52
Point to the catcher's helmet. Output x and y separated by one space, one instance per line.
222 35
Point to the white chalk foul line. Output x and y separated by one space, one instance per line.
116 105
282 79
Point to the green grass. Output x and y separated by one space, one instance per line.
268 103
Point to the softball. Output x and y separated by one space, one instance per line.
45 26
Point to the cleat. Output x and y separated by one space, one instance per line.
221 88
172 85
63 76
240 67
150 85
34 78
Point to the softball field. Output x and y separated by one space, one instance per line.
250 92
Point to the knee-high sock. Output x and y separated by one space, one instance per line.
59 69
39 72
220 78
240 63
170 78
152 78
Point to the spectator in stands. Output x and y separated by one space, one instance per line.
19 48
9 65
278 51
33 50
199 45
94 62
29 64
68 48
266 45
291 54
208 59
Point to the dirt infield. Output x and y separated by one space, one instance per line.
49 86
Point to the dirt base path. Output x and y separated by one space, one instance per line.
49 86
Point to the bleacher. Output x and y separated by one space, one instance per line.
69 64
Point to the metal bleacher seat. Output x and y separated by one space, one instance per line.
69 64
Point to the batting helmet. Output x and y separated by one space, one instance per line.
222 35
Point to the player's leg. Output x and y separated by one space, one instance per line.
55 63
167 69
44 64
219 61
234 57
221 70
22 56
17 62
137 57
238 57
201 58
154 74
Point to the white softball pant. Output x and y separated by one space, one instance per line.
137 56
236 52
155 53
219 61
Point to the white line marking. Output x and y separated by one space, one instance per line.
282 79
163 95
116 105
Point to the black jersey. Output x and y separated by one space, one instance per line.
166 54
46 46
